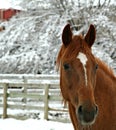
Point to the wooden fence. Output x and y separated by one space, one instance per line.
40 93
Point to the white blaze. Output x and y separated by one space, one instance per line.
83 59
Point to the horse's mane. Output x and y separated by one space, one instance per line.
109 71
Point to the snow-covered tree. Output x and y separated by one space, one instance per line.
32 38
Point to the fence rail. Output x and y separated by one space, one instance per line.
32 92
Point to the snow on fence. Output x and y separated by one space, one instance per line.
36 93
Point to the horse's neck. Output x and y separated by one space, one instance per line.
105 92
106 80
105 69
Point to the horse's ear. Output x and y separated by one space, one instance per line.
67 35
90 36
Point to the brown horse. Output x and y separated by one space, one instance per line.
87 84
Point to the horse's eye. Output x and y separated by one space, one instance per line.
66 66
96 67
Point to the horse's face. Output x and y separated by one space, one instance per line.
78 74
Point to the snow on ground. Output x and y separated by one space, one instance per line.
32 124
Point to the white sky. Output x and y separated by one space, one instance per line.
5 4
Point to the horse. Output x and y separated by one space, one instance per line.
87 84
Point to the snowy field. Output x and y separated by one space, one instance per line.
32 124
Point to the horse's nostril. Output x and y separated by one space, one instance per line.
80 110
96 109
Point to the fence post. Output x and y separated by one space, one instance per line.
24 90
46 108
5 87
24 99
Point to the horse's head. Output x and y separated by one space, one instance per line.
78 73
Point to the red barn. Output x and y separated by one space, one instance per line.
6 14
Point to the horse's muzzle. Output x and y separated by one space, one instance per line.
87 116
